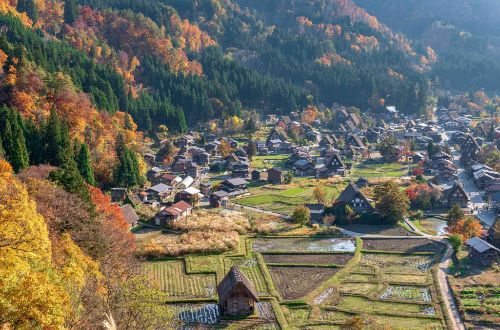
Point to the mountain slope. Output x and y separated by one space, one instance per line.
464 33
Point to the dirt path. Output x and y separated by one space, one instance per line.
444 286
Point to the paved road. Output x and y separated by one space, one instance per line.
475 194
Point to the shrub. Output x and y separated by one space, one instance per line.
456 242
418 214
301 215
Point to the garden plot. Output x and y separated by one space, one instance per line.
410 293
333 316
367 289
480 303
170 277
265 311
304 245
364 305
250 267
406 278
398 263
296 282
403 245
207 314
296 315
360 277
410 322
312 259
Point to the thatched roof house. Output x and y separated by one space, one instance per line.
237 295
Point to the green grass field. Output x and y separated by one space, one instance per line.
377 169
268 161
285 198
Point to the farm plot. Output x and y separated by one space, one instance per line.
386 230
398 263
206 314
410 293
170 277
202 264
296 282
312 259
403 323
304 245
480 304
416 279
296 315
250 267
367 289
403 245
364 305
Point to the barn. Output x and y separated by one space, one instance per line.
237 295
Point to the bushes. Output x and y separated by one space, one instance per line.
301 215
191 242
205 221
456 242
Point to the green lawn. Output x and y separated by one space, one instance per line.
377 169
284 199
268 161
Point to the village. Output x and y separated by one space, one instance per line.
288 222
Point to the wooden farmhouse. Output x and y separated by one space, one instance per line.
482 252
237 295
353 197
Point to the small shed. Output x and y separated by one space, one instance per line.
275 176
237 295
482 252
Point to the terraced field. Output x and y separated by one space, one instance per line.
321 282
170 277
251 269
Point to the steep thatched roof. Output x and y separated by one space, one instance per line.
231 281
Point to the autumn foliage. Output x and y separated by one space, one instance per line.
466 228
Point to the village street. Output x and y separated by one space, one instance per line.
477 204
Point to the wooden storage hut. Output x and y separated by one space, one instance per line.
237 295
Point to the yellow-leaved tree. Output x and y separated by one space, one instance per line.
30 294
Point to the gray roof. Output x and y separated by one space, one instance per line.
129 214
159 188
237 181
480 245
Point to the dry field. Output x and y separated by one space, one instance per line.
314 259
296 282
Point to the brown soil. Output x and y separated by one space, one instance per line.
403 245
318 259
296 282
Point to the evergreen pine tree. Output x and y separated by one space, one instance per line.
2 150
13 139
70 179
70 11
28 7
83 162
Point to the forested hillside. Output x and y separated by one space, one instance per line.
464 33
